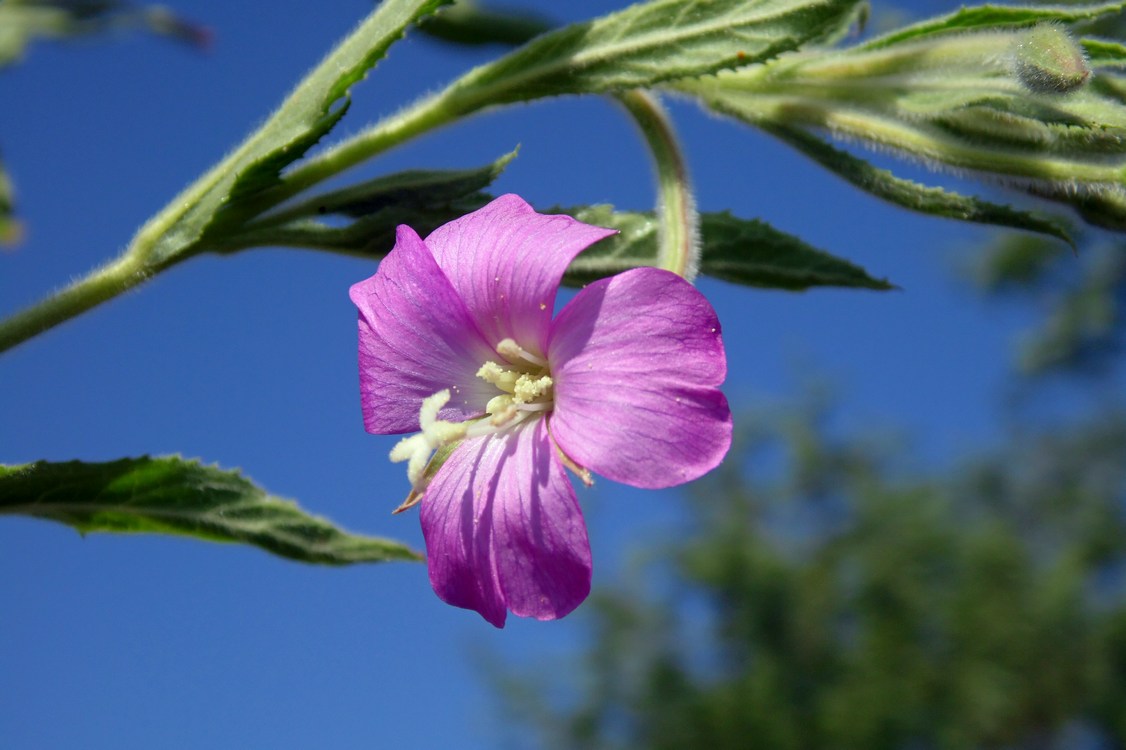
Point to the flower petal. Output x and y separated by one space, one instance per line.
503 529
636 359
505 260
416 338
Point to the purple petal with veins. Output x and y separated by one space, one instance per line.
504 531
506 261
416 338
624 382
636 360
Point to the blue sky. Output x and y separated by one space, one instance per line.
121 642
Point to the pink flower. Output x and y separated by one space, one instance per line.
457 340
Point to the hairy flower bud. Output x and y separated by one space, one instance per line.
1008 104
1047 60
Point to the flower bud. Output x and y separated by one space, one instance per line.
1047 60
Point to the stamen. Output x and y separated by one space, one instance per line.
582 473
501 418
512 351
505 420
503 379
497 404
526 387
529 388
480 429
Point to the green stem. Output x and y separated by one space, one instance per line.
103 284
177 232
428 114
134 267
678 231
425 115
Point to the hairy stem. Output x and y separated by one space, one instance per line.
102 284
678 232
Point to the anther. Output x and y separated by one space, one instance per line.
512 351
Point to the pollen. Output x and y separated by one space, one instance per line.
518 355
531 389
524 381
503 379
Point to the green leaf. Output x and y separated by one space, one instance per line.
953 102
913 196
634 246
1106 209
742 251
753 253
652 42
413 188
371 236
638 47
1014 262
748 252
422 199
308 114
171 495
472 23
224 198
1104 54
995 17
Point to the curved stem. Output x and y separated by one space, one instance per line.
678 232
103 284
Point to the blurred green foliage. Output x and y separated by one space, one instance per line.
1080 299
10 230
840 602
25 21
826 592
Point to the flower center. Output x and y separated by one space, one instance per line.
524 382
525 386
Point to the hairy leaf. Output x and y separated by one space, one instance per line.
915 197
953 102
994 17
223 197
1106 209
370 236
742 251
634 245
422 199
311 111
753 253
652 42
171 495
1104 54
413 188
